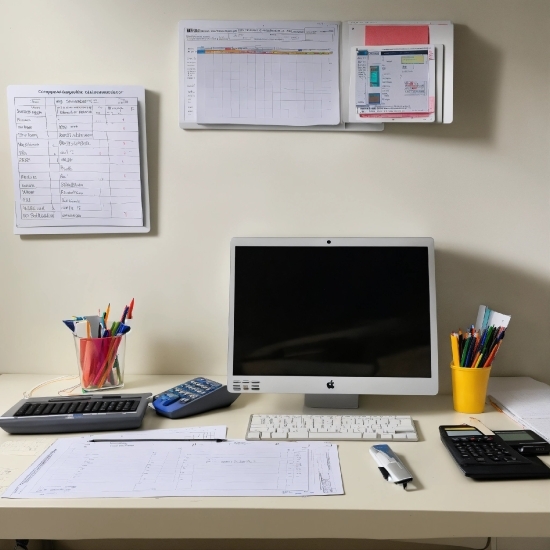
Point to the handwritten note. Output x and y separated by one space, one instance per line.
76 156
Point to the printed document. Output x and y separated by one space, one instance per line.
393 81
79 468
76 155
260 72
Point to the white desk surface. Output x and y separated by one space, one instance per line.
443 503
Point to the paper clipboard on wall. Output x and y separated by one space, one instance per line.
387 34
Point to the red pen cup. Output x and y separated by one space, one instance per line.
101 362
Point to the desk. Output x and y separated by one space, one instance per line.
444 504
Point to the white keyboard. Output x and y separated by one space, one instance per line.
267 427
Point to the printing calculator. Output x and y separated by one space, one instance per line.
481 456
94 413
193 397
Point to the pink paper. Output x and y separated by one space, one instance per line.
396 35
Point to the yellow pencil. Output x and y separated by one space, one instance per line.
454 348
478 360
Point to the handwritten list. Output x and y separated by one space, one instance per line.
76 157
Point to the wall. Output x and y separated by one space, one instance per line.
479 186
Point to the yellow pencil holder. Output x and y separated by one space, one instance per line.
469 388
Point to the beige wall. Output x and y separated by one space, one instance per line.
479 187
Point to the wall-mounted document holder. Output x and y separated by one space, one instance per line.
296 75
415 38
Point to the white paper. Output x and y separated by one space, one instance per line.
393 82
260 72
525 400
76 155
170 434
76 468
497 319
25 447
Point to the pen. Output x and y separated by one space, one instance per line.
135 440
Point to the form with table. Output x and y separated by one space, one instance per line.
441 502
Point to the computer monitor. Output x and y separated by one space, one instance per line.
333 318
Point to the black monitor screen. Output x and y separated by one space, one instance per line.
331 311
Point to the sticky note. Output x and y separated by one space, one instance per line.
390 35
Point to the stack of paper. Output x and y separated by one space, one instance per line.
525 400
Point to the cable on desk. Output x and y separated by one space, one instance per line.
64 392
487 545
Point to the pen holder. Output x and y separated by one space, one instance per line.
469 388
100 362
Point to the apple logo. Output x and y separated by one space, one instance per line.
330 385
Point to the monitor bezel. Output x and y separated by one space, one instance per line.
340 385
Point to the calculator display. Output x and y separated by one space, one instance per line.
462 433
516 436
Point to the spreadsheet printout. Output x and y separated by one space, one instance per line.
76 155
79 468
260 72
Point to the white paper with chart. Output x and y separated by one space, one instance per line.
79 159
79 468
260 72
392 82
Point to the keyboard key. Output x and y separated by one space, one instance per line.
298 434
328 436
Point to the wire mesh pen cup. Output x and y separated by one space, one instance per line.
101 362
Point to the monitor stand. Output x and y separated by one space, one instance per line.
328 401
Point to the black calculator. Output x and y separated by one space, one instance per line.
481 456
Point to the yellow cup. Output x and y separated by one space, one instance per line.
469 388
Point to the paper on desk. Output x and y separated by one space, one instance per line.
76 468
525 400
170 434
16 455
26 447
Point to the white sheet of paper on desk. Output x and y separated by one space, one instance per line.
170 434
76 468
261 72
26 447
526 400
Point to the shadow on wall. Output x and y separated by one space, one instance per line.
464 282
477 75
